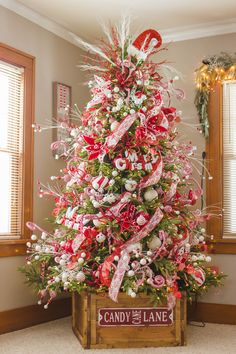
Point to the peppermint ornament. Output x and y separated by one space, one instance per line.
100 182
141 220
130 185
199 276
100 237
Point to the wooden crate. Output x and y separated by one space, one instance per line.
99 322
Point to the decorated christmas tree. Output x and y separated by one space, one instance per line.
124 219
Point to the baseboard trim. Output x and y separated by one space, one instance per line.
213 313
23 317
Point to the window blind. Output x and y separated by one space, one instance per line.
11 149
229 159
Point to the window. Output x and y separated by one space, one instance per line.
229 159
221 157
16 148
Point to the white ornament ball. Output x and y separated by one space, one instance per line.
114 125
100 237
80 261
130 273
97 223
44 236
114 173
80 276
134 247
150 194
130 185
133 294
33 237
208 259
143 261
132 111
37 248
62 262
116 89
96 204
201 257
112 181
36 258
194 258
154 243
201 238
116 258
129 291
83 254
57 279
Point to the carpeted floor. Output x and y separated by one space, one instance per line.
57 338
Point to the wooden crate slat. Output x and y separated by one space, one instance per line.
91 335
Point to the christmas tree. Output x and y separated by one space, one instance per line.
124 216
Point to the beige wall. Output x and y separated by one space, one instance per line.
56 61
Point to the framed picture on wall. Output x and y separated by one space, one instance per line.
61 112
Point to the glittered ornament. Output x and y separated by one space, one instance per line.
150 194
80 277
155 243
